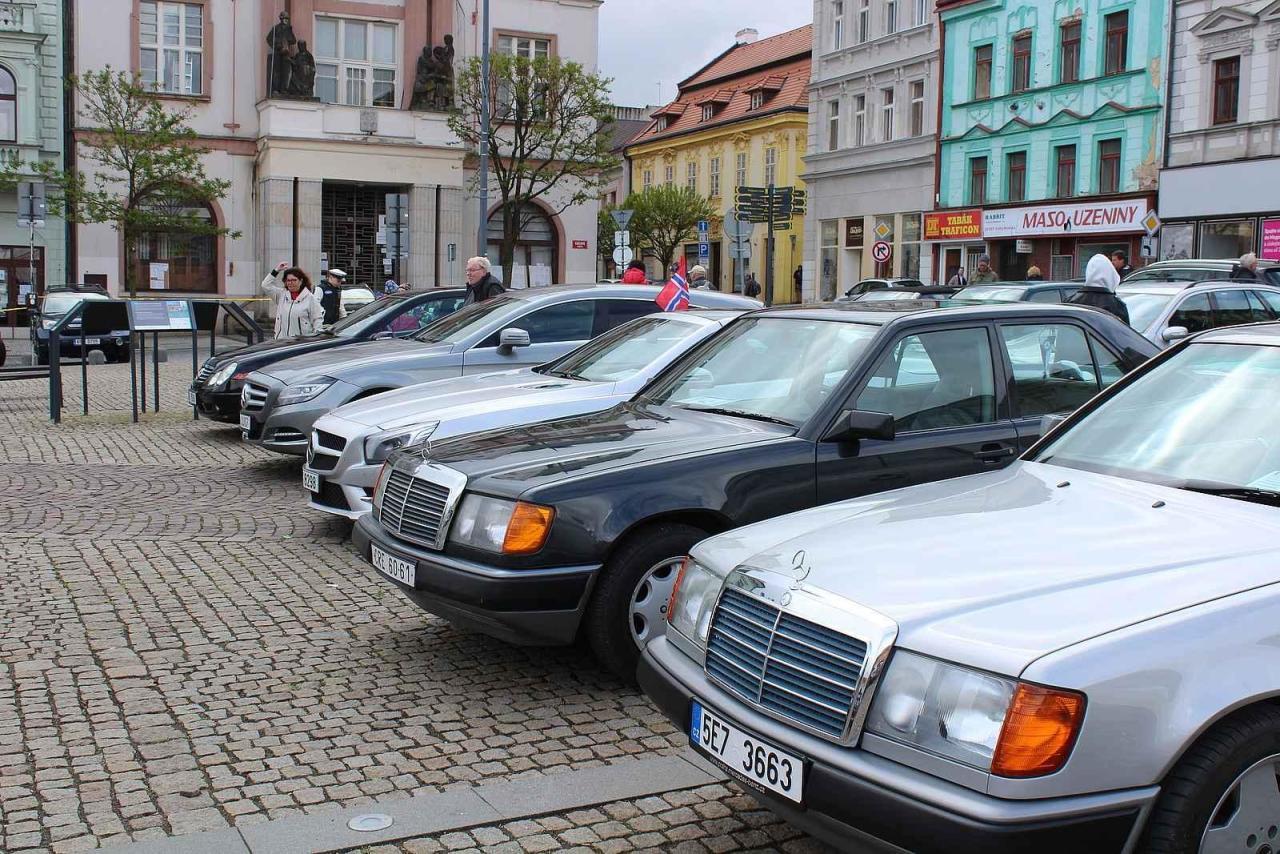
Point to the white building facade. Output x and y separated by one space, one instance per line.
321 179
1218 190
870 166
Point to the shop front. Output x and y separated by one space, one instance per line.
955 238
1061 238
1219 210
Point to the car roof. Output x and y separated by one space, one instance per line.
1267 334
703 299
883 313
1178 286
1015 283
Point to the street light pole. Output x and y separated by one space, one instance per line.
482 231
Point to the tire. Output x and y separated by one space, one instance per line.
1200 791
609 620
42 356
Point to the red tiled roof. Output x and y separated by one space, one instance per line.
729 81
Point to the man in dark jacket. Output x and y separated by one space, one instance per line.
331 295
1247 269
1120 260
481 285
1099 289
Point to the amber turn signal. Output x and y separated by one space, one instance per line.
528 529
1038 732
675 589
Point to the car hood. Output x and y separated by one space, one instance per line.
276 349
999 569
348 362
514 460
461 397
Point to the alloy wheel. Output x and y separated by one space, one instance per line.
1247 817
648 609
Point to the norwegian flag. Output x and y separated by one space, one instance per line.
675 294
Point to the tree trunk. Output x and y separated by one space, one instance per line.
510 236
130 261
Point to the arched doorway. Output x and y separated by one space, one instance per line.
177 260
537 255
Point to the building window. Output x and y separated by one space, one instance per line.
1021 63
691 175
715 177
526 46
1226 90
708 111
191 259
859 120
1066 169
171 47
1109 166
911 234
647 181
757 99
830 259
891 16
837 25
886 113
833 126
982 72
770 166
864 21
917 108
1069 44
978 181
355 62
742 170
662 124
1227 239
1017 176
922 13
8 108
1117 59
670 176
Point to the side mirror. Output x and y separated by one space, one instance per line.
854 424
511 338
1174 333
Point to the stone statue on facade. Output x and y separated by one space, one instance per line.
433 80
284 47
303 83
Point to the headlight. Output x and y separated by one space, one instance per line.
380 445
303 392
50 323
221 376
693 599
496 525
985 721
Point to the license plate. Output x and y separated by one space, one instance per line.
245 422
393 567
90 342
310 481
191 398
745 754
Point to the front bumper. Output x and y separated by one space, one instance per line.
854 794
287 429
527 607
337 459
218 405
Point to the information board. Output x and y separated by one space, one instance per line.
159 315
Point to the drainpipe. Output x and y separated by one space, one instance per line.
71 254
939 275
1168 89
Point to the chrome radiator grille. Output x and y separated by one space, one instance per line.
786 665
414 508
206 371
253 398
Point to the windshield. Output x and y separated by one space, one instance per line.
362 318
1144 308
993 294
62 303
770 368
1204 419
454 327
624 351
888 296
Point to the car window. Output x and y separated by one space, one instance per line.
1231 308
423 314
934 380
1046 295
992 293
622 352
566 321
1053 369
1193 313
1271 299
611 313
1110 368
1144 308
466 321
1272 276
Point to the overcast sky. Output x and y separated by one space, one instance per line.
647 42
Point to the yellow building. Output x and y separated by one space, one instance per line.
743 120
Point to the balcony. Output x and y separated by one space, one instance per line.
18 18
314 121
1225 142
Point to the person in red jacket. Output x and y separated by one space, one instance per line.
635 274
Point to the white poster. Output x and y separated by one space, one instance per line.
539 276
1059 220
519 276
159 279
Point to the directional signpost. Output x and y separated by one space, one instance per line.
739 234
704 242
774 206
623 254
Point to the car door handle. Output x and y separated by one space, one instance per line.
993 453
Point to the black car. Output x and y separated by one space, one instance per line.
577 526
216 389
1013 291
58 301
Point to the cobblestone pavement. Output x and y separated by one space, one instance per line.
184 646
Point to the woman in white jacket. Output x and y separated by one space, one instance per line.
298 310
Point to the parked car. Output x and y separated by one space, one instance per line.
217 388
355 298
1197 270
1076 653
576 527
350 444
518 329
58 301
1169 311
1019 292
923 292
866 285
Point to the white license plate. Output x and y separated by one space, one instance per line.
91 342
310 481
191 398
245 422
392 566
744 754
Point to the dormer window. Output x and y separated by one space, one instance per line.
708 112
757 99
663 121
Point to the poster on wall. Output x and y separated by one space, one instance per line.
1271 239
1058 220
539 276
159 276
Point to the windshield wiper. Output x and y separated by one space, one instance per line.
1240 493
738 413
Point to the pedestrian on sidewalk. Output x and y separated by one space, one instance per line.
481 284
984 275
331 296
635 274
1099 289
298 310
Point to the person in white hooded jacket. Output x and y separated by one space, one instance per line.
1099 289
298 309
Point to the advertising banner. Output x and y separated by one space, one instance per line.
1271 239
953 225
1062 220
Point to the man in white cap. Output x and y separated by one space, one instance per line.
698 278
331 295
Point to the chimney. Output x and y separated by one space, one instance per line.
748 36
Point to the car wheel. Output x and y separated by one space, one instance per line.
1224 794
42 356
629 606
